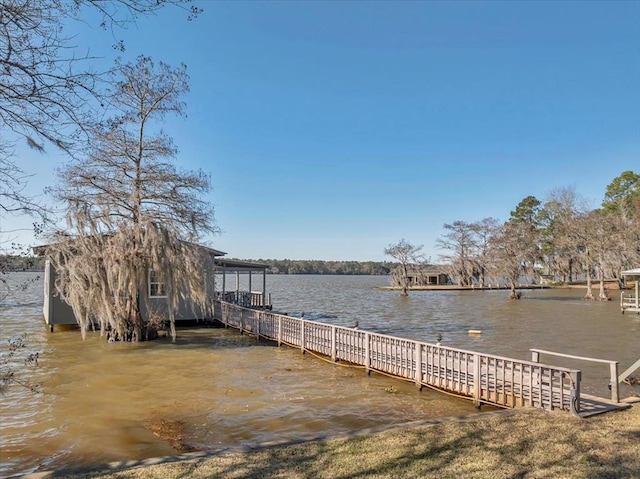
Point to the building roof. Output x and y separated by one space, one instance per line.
42 250
427 269
631 272
239 266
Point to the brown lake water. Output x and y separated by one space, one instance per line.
103 401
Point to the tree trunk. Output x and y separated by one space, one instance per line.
513 294
132 328
589 295
570 270
603 293
405 281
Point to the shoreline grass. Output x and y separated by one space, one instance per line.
523 443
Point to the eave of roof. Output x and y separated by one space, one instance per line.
240 266
41 250
631 272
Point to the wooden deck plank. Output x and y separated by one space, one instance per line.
592 405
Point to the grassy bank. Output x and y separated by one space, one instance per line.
510 444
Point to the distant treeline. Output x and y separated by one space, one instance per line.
277 266
289 266
21 263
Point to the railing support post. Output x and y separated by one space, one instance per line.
535 356
477 372
367 352
223 314
242 321
417 351
259 314
575 393
301 335
334 353
615 394
279 330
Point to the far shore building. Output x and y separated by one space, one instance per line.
427 275
58 312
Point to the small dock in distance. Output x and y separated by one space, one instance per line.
481 378
453 287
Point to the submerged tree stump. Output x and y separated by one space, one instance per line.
171 431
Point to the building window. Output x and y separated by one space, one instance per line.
156 285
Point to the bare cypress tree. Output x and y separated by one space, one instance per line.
130 210
460 241
582 232
48 88
483 232
46 81
561 208
511 250
405 254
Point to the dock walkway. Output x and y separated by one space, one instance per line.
482 378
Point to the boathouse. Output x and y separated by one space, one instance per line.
57 312
631 301
423 275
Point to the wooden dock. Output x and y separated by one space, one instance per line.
592 405
482 378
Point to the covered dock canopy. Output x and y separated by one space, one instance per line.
635 272
631 302
237 267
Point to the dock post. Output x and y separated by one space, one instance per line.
334 354
258 324
535 356
224 314
417 352
575 392
615 394
367 353
301 321
279 330
477 390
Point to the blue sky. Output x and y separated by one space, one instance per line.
332 129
